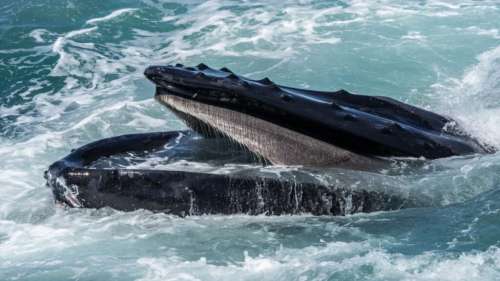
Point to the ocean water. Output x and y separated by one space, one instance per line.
71 72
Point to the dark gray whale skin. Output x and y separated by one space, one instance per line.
367 125
187 193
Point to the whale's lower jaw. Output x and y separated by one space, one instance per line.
278 145
77 181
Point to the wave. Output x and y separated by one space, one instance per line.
474 99
334 261
111 16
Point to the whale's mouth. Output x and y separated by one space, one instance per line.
302 127
274 143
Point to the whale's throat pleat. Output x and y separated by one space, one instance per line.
277 144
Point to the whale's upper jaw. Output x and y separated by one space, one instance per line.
201 76
373 126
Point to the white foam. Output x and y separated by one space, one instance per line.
229 34
473 99
492 32
414 35
337 260
57 46
394 11
38 34
111 16
64 57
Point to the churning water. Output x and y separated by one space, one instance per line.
71 72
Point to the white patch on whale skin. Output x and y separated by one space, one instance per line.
279 145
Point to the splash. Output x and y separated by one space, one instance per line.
474 100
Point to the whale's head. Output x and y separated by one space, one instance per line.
296 126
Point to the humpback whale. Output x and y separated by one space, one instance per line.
235 119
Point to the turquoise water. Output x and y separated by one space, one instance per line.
71 72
